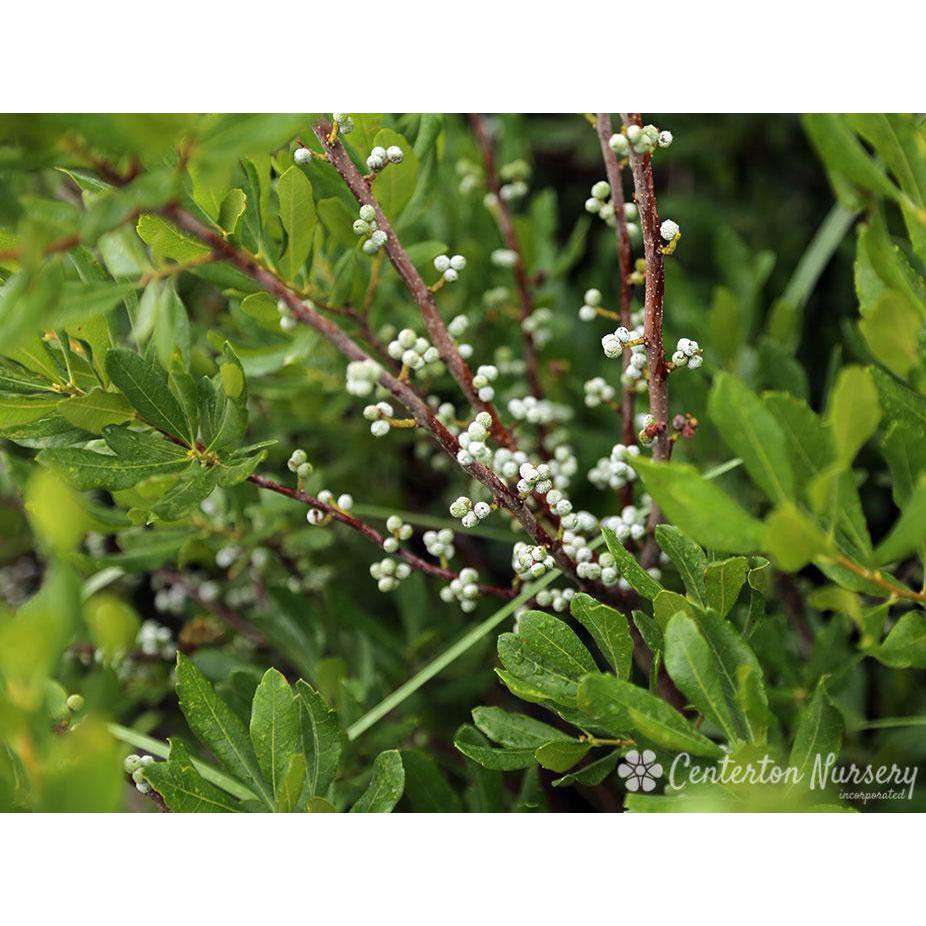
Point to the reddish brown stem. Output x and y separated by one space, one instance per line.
414 283
645 195
605 129
506 225
416 562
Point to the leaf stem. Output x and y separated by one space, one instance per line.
453 652
160 748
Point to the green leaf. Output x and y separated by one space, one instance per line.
17 410
723 582
321 739
186 791
609 630
891 328
18 379
499 760
792 539
640 580
905 452
707 659
394 185
219 728
650 630
93 411
753 434
297 213
699 508
386 786
845 156
909 532
144 384
224 407
166 241
189 490
818 733
546 654
759 576
807 439
592 774
514 731
337 219
86 469
561 755
666 603
900 402
274 728
688 558
852 412
605 697
290 790
905 645
426 786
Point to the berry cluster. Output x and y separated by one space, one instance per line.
299 464
485 374
631 524
398 531
155 639
534 479
615 471
470 513
288 321
379 415
473 445
470 175
344 123
362 376
597 391
529 561
413 351
440 544
388 573
135 766
537 411
556 598
687 353
600 204
537 325
380 157
367 227
316 516
591 305
449 267
457 328
559 504
642 140
514 175
615 342
462 589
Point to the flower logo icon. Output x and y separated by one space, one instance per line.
640 771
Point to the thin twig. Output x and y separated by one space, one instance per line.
371 534
414 283
605 129
645 195
503 214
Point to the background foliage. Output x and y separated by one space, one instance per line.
800 272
